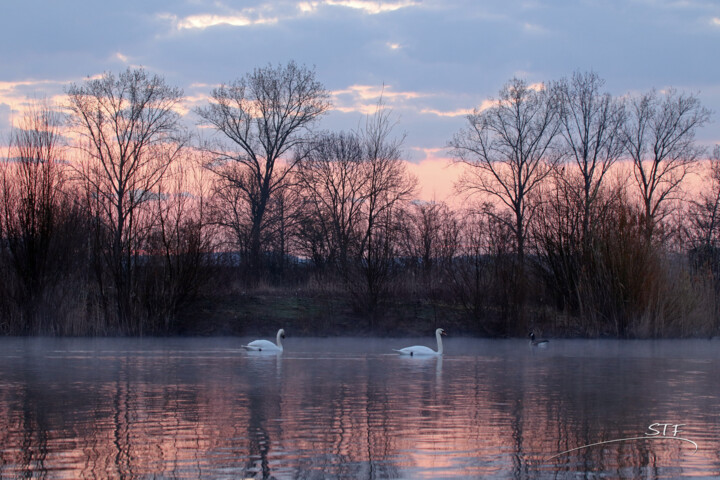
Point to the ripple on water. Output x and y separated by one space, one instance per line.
329 408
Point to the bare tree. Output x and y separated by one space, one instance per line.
388 186
429 243
229 211
430 235
334 180
701 226
262 118
130 134
481 277
354 185
659 137
591 125
180 241
281 227
31 198
509 149
704 211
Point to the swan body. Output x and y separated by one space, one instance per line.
541 342
266 345
423 350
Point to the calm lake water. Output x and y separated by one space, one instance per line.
350 408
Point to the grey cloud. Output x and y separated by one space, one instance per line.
456 52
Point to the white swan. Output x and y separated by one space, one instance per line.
266 345
423 350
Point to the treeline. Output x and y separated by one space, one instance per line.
116 217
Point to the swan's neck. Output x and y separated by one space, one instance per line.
279 340
439 343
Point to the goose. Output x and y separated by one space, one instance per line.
266 345
542 342
423 350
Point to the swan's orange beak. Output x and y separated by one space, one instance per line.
443 333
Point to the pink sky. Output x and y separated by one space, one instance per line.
436 176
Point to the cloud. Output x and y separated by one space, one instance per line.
271 13
366 92
533 28
308 7
366 6
204 85
5 112
365 109
204 21
370 7
245 17
198 96
678 4
8 86
435 153
460 112
715 21
364 98
18 95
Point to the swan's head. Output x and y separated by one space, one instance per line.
281 333
440 331
531 335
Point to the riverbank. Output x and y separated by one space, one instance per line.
263 312
224 306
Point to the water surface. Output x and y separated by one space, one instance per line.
350 408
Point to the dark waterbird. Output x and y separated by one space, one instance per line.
540 342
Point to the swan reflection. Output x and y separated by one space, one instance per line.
187 409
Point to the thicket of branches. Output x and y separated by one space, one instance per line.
576 217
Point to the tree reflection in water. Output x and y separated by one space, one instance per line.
203 409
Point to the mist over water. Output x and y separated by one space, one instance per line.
351 408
